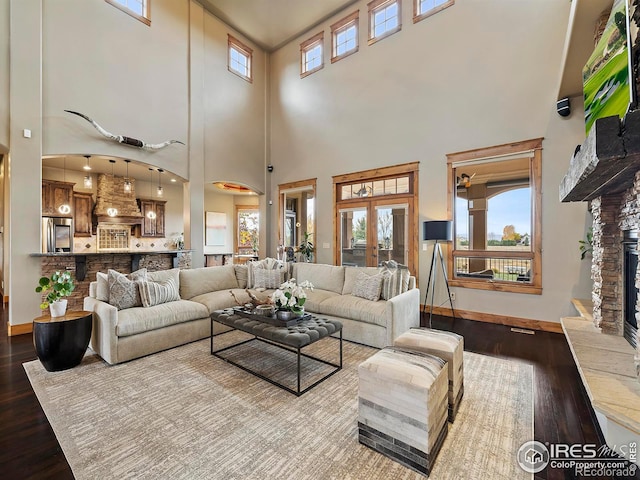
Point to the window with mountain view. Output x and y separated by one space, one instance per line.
496 216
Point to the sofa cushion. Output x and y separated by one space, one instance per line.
323 277
351 273
140 319
123 290
315 297
368 286
222 299
356 308
155 293
197 281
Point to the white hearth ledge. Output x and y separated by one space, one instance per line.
606 366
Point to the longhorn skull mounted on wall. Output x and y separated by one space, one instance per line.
134 142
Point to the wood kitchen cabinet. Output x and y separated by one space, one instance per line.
82 214
152 227
55 194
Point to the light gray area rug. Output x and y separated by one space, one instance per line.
184 414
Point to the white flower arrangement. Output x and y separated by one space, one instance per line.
291 295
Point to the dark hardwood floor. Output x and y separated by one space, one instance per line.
29 450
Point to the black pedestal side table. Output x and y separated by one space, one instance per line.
61 342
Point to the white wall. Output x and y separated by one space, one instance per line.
480 73
4 75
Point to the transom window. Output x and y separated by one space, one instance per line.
136 8
425 8
311 55
495 202
384 19
344 37
240 59
375 188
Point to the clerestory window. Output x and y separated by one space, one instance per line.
136 8
240 59
312 55
344 37
425 8
384 19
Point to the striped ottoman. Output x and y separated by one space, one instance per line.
446 345
402 406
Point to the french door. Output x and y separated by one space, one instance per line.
372 232
376 217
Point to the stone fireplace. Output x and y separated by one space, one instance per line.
605 171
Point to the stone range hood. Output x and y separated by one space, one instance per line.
110 193
606 162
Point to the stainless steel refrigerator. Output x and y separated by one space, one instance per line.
57 234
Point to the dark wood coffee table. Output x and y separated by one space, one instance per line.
293 338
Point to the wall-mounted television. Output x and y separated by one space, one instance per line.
607 83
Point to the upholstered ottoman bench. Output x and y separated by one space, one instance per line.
402 406
447 345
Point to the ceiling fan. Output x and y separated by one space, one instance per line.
464 180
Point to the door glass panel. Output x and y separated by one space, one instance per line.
353 237
391 224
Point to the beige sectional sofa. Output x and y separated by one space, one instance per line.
121 335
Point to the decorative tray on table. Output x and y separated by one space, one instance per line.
271 319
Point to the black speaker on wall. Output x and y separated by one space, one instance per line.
563 107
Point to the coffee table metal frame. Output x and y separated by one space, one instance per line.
297 350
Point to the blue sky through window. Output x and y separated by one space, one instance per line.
508 208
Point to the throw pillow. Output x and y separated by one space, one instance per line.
396 279
263 278
102 289
266 264
242 273
123 291
155 293
368 286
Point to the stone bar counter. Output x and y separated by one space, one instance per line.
84 266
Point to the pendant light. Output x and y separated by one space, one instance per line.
127 181
151 214
160 191
88 180
112 211
65 208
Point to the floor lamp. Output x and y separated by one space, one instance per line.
439 231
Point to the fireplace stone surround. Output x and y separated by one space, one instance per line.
605 171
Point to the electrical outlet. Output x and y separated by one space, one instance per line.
453 296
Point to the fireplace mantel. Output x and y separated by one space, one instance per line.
606 162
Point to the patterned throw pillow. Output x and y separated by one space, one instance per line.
263 278
123 291
266 264
155 293
368 286
396 279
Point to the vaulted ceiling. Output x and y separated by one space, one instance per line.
272 23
